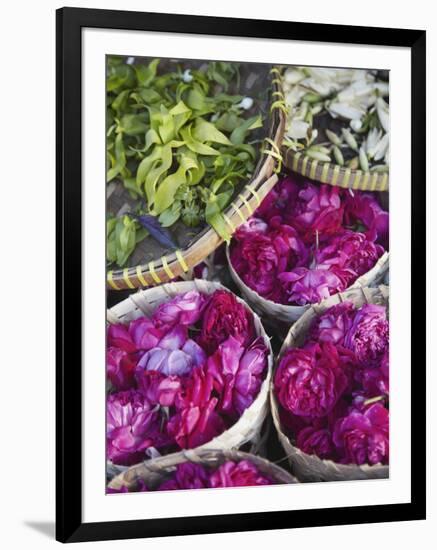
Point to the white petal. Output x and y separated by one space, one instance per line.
297 129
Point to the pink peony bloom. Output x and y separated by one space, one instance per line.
238 474
237 374
158 388
120 367
350 250
118 337
310 286
186 476
253 226
132 425
309 381
196 425
363 437
144 333
183 309
362 209
316 441
368 335
317 210
225 316
333 324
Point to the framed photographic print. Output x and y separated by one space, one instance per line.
240 274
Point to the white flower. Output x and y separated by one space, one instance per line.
187 76
383 113
130 60
298 129
246 103
356 124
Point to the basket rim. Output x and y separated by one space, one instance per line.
168 462
178 263
293 333
333 174
260 405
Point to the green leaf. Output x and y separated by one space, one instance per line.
206 131
238 136
119 161
167 188
146 73
132 124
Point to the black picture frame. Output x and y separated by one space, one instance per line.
69 24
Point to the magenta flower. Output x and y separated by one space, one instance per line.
368 335
253 226
316 441
362 209
363 437
250 374
118 337
144 333
183 309
238 474
309 381
120 367
310 286
317 210
196 425
132 426
350 250
256 260
279 200
186 476
333 324
158 388
225 316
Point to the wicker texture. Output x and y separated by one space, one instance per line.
333 174
248 426
290 314
168 265
154 472
310 467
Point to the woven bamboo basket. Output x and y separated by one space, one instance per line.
290 314
248 427
333 174
151 264
154 472
310 467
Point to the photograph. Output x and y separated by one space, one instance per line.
215 271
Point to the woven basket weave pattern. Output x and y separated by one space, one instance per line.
154 472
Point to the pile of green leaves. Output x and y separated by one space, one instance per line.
178 142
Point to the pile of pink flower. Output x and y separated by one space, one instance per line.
334 392
309 241
195 476
181 377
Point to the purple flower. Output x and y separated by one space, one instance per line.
362 209
363 437
196 421
309 286
144 333
333 324
350 250
168 362
120 367
316 441
131 425
225 316
317 210
238 474
118 337
368 335
250 375
186 476
183 309
309 382
158 388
